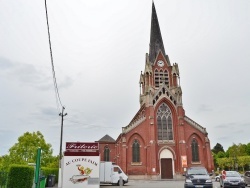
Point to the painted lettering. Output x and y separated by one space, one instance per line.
76 160
81 146
92 162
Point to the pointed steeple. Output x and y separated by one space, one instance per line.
156 42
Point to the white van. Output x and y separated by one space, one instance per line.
112 174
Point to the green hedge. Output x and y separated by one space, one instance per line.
20 176
3 178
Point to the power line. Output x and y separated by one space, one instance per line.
57 97
51 57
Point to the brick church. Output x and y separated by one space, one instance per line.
160 141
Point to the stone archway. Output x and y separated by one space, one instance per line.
166 164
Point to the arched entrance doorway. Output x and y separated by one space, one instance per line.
166 164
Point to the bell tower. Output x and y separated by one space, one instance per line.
158 72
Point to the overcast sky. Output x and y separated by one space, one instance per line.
99 51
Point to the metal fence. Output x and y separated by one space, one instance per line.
3 179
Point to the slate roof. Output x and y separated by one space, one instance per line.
156 42
106 138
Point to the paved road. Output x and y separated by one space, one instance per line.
152 184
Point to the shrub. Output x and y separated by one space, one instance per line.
20 176
48 171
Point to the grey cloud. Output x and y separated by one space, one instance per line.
247 124
28 73
204 108
67 82
31 75
233 125
239 131
90 123
223 138
9 138
5 63
49 111
44 114
226 125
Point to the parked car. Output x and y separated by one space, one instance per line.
247 178
232 179
197 177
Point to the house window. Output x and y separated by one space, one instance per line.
106 154
136 151
195 151
164 123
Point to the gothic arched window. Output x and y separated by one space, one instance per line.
161 77
136 151
165 76
157 78
164 123
106 154
195 151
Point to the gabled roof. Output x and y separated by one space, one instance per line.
156 42
195 125
106 138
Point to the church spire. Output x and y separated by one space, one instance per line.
156 42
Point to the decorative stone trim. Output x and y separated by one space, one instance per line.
136 163
133 125
164 92
172 142
195 125
182 142
196 163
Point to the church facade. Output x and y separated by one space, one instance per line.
160 142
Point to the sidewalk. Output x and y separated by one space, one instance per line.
55 186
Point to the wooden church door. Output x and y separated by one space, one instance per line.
166 168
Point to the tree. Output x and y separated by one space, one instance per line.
25 150
236 156
4 162
248 149
53 162
217 148
233 151
220 154
243 161
223 162
242 149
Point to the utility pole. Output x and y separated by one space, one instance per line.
62 115
38 166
